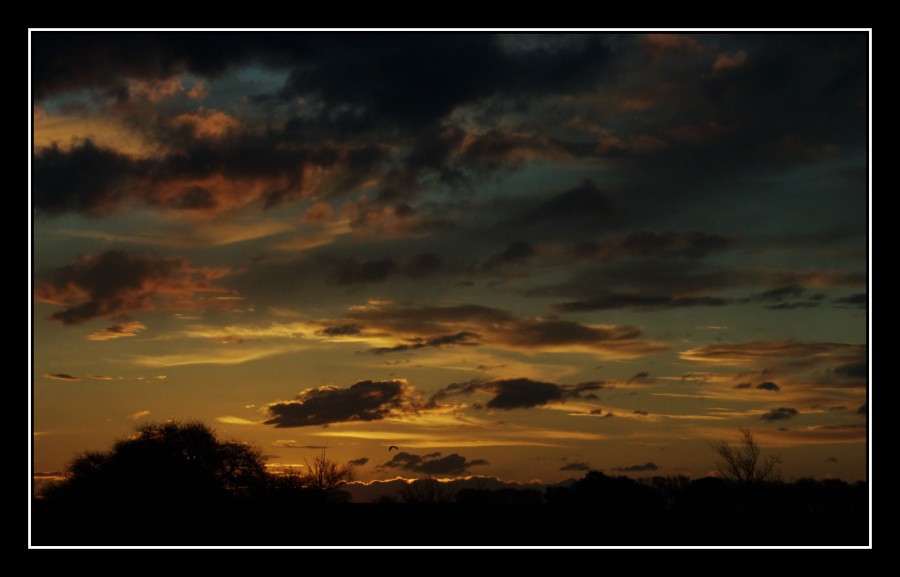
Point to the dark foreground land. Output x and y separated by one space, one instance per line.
487 519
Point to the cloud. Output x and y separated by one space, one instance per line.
649 466
423 265
520 393
863 410
770 351
424 119
672 42
728 61
638 301
114 282
580 204
354 271
401 329
463 338
692 244
291 444
779 414
341 330
743 385
516 253
575 466
639 377
358 462
858 370
138 415
361 401
432 464
230 420
860 300
768 386
117 331
87 178
832 459
60 377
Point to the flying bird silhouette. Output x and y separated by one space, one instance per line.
393 447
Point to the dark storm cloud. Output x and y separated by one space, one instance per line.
458 339
520 393
775 80
116 282
87 178
70 61
416 79
649 466
575 466
780 414
768 386
358 462
432 464
554 97
362 401
206 175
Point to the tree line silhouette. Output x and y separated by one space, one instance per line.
178 484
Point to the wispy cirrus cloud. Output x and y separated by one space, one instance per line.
390 329
60 377
117 331
819 363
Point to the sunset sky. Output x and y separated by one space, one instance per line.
512 255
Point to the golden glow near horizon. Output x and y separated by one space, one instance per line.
519 276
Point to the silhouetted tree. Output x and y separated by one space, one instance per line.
325 477
165 462
744 463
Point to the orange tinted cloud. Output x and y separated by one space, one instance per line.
60 377
727 61
207 123
672 42
115 282
498 328
117 331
